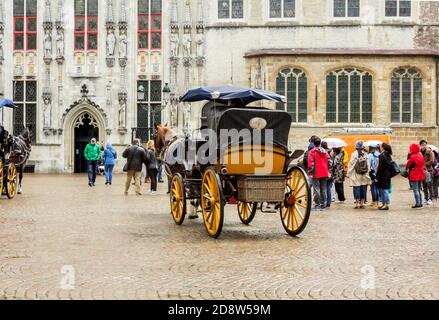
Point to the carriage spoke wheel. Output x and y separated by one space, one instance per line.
296 208
2 177
11 181
247 211
178 199
212 203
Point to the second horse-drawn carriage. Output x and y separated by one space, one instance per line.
14 153
240 156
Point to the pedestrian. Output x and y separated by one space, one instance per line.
109 156
308 150
152 166
384 175
373 164
358 173
429 161
92 154
160 173
416 172
319 172
136 157
338 173
330 182
436 177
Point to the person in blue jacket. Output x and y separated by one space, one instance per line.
109 156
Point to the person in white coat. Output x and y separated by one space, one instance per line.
358 174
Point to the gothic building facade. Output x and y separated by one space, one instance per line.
82 68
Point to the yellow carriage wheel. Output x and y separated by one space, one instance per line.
247 211
11 181
2 177
178 199
212 203
296 208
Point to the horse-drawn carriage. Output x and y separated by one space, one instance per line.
240 156
14 152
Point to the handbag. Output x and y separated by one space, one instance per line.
394 169
405 173
125 167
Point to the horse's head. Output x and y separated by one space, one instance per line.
162 135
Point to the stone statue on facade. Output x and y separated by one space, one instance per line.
187 45
123 46
122 113
200 45
47 46
59 44
175 42
111 43
46 113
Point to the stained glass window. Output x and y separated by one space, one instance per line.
349 96
282 8
25 24
346 8
401 8
293 84
149 110
149 24
406 95
233 9
25 98
86 25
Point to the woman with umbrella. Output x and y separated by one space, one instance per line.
337 165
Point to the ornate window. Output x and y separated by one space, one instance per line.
149 24
230 9
25 98
349 96
346 8
149 109
401 8
293 84
282 8
25 24
406 96
86 25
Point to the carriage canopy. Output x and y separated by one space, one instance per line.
230 95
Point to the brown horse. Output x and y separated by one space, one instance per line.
166 143
164 139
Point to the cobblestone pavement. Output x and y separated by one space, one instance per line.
118 247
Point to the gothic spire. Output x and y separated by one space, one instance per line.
47 15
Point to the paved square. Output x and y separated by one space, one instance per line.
63 240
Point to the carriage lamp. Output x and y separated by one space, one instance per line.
166 93
141 93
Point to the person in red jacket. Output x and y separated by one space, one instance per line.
319 173
416 169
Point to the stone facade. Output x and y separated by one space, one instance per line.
109 75
199 48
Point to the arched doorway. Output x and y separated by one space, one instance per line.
82 121
85 128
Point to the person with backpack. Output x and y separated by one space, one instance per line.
416 173
373 164
429 161
358 173
319 172
337 171
308 150
384 175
